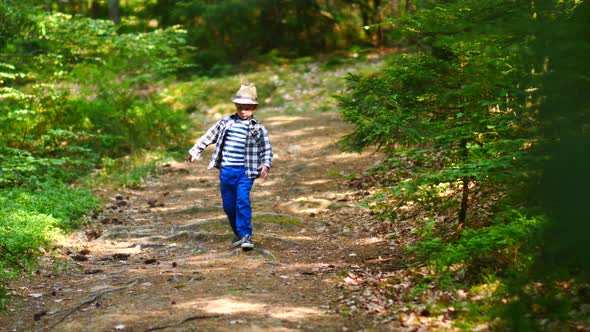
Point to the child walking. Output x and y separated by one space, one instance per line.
242 153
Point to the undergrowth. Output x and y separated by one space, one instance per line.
32 216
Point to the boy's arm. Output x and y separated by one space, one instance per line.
207 139
266 152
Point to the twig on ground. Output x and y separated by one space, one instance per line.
92 299
188 319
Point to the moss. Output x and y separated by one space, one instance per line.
198 209
279 219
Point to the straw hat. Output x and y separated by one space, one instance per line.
246 95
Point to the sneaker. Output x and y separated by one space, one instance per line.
236 242
247 243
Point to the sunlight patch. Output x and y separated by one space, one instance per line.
295 313
315 182
229 306
370 240
298 238
282 120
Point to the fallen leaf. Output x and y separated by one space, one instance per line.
61 300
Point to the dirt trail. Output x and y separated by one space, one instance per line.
163 262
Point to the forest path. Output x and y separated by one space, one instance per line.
163 260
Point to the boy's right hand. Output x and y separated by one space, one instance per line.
190 159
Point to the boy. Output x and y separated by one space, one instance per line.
242 153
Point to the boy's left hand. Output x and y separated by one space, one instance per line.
263 171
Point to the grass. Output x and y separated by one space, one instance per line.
276 219
129 171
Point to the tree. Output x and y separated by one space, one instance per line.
560 45
395 13
115 11
370 13
455 99
493 101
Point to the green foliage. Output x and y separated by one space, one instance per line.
65 204
129 171
565 113
491 103
62 42
22 234
15 17
74 92
229 32
85 78
456 112
31 217
494 248
557 284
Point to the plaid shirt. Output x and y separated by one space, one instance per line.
258 148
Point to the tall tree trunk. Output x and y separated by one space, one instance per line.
49 6
377 19
409 6
95 9
365 18
395 8
75 7
464 201
465 191
115 11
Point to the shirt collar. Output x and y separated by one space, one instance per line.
236 117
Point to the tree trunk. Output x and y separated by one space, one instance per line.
115 11
377 19
95 9
464 201
465 191
395 8
75 7
409 6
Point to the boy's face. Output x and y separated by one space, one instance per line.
245 111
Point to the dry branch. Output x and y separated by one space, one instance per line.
188 319
92 299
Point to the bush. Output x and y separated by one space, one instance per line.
494 248
75 92
31 216
65 204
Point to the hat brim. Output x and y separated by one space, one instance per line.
244 101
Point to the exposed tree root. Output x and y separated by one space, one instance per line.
92 299
188 319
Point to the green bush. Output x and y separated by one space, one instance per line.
496 248
30 218
65 204
87 93
24 232
129 171
75 92
273 28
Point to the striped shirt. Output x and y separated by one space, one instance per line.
258 150
234 147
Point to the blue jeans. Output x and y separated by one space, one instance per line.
235 194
